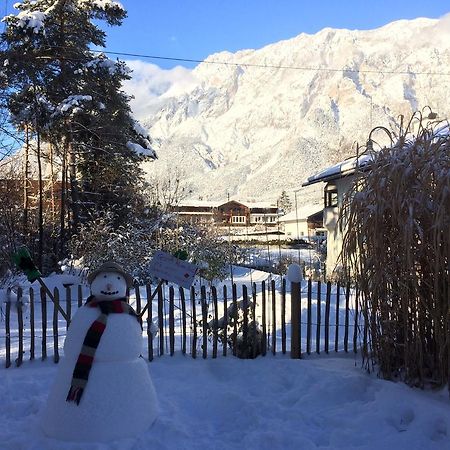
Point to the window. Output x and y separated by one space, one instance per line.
331 198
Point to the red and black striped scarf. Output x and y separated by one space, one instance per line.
92 339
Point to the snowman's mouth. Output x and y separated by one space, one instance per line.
109 293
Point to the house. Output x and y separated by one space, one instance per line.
229 213
304 223
338 180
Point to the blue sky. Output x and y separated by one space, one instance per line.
195 29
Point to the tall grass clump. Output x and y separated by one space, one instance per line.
396 247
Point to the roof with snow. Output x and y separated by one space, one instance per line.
302 213
341 169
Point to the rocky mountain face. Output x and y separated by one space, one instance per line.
273 116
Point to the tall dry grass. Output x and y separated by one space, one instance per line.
397 247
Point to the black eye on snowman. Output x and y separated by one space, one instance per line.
105 276
118 278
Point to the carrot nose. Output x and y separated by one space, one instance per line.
108 286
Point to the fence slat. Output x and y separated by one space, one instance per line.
8 328
19 304
80 296
274 318
183 320
235 316
215 321
283 316
245 305
355 329
44 323
254 346
160 321
263 319
204 322
318 316
295 321
55 325
225 321
193 324
309 318
171 320
327 316
150 336
68 306
347 311
32 326
336 334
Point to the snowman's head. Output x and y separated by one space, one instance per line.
109 282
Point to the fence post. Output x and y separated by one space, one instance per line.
194 324
225 323
236 316
149 322
355 328
215 321
32 330
183 318
283 316
19 359
327 316
8 328
204 322
295 320
172 320
274 319
55 325
319 315
336 335
44 323
160 320
309 318
263 319
347 310
80 296
68 306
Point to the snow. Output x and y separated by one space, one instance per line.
72 103
267 403
139 150
31 19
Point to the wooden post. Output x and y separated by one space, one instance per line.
283 316
193 324
355 328
263 319
295 320
8 329
44 323
319 314
309 318
149 322
274 319
204 322
68 306
254 320
216 321
347 310
327 316
160 319
80 296
19 359
55 325
336 335
245 306
236 316
225 323
32 328
172 320
183 319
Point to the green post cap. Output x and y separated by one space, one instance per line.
22 259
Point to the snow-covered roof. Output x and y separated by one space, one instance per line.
302 213
340 169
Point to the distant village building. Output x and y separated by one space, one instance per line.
231 213
338 179
304 223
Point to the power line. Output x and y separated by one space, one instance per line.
270 66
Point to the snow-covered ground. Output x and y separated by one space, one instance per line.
267 403
271 402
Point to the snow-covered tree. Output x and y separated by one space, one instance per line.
71 98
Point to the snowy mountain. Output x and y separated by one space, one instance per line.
273 116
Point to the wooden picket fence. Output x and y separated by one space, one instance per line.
325 319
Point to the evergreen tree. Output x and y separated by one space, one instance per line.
71 99
284 202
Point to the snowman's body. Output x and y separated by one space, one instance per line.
119 399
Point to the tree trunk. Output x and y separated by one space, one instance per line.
26 173
41 205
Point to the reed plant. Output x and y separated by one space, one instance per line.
396 247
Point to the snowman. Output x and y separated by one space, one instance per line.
103 390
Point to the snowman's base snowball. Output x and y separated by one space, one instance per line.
119 401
